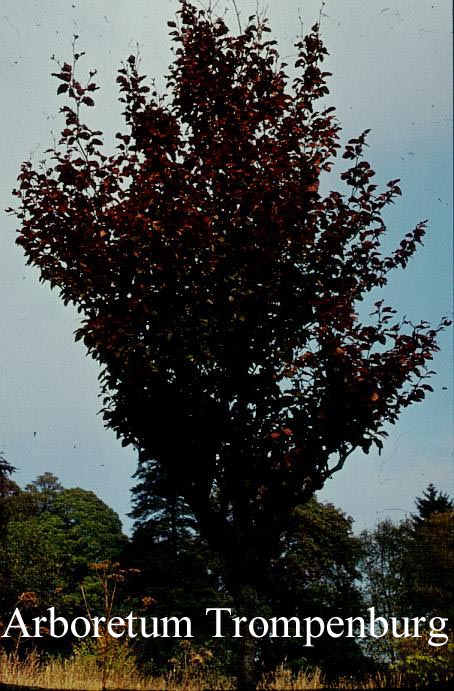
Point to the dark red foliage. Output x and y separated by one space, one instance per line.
219 289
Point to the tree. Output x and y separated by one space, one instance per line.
220 290
5 470
51 540
179 574
430 558
318 574
430 503
385 569
160 512
7 488
34 557
431 567
407 569
92 530
45 488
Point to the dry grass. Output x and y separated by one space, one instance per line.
283 679
85 674
74 673
66 674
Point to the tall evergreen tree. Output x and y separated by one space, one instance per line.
431 502
430 556
179 574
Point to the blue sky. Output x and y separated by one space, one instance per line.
391 65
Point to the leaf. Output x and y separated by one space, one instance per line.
62 89
88 101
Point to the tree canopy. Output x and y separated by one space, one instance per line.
408 568
51 535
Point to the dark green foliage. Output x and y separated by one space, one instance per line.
408 569
7 488
430 557
317 575
430 567
5 471
383 566
179 575
157 506
52 535
92 530
45 488
431 502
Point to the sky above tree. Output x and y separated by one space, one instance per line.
391 72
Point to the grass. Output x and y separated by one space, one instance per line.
78 673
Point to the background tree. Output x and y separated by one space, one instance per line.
407 570
431 567
220 290
431 502
429 589
92 530
5 471
7 488
384 569
52 536
318 574
179 574
46 487
430 556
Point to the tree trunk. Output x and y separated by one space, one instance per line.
245 598
247 669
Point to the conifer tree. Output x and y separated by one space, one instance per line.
431 502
